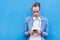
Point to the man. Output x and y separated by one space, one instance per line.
36 26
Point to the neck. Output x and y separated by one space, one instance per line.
36 16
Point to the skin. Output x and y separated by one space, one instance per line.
35 14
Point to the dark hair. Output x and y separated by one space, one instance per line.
36 4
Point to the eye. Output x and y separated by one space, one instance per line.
33 11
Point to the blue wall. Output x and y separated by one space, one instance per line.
14 12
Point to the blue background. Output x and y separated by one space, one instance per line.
14 12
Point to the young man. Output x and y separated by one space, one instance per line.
36 26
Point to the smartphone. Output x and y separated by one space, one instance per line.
34 30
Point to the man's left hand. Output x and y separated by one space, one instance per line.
39 32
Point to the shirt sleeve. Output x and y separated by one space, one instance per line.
45 32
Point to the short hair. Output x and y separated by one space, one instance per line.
36 4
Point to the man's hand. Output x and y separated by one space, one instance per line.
39 32
31 32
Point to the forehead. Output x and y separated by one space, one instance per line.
35 8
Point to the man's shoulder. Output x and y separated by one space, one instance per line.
44 18
28 18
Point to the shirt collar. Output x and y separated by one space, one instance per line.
35 18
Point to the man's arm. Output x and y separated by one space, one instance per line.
26 32
45 32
